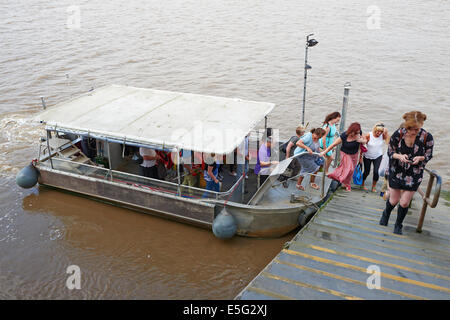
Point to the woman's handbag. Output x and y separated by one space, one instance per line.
358 175
383 165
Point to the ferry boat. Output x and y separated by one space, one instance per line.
92 142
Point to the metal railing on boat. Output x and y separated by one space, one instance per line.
322 174
139 181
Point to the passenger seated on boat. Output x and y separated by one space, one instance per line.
163 164
211 173
192 169
89 147
263 162
148 165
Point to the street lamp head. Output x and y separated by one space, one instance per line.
312 42
307 67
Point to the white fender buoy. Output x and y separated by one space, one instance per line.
224 225
27 177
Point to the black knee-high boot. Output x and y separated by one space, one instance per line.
401 214
386 213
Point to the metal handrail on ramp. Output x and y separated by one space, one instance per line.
426 196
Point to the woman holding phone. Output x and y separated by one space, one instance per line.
410 149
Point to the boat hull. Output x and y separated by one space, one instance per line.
163 205
264 222
252 221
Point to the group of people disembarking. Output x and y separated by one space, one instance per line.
313 142
408 150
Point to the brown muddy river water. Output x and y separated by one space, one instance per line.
395 54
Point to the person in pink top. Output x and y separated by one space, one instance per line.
264 164
351 141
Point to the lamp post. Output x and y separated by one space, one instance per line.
309 43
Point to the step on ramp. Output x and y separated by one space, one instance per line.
329 258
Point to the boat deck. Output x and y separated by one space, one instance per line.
329 258
279 195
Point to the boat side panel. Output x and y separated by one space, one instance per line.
128 195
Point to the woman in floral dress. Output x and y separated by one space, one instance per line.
410 148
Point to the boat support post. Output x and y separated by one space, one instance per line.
258 178
109 161
178 171
243 180
48 147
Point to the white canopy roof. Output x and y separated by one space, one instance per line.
159 118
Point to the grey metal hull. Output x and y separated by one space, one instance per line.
252 221
264 222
